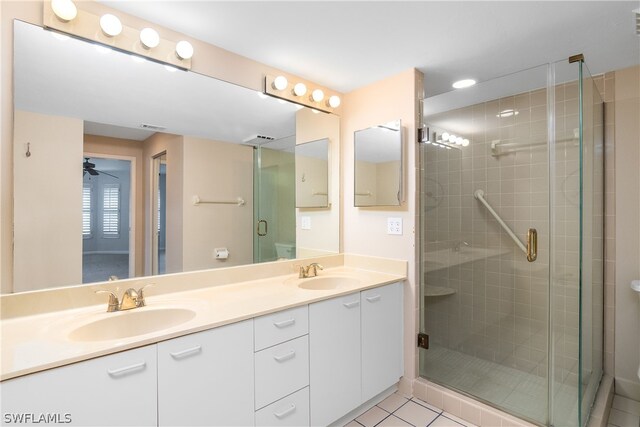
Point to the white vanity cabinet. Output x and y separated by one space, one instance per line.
114 390
381 339
207 378
334 350
355 346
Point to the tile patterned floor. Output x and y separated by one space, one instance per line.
624 413
398 411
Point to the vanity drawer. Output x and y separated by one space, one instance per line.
282 326
281 370
292 411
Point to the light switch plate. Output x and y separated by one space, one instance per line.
394 225
305 222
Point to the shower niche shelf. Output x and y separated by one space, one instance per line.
438 291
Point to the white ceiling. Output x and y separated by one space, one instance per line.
345 45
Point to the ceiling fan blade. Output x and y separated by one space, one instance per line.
102 172
92 172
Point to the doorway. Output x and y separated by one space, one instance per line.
107 212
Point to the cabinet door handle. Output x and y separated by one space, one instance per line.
127 369
284 323
374 298
286 412
285 357
187 352
351 304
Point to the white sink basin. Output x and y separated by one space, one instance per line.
131 323
323 283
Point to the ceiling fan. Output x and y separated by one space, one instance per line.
90 168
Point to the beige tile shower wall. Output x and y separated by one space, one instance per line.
498 310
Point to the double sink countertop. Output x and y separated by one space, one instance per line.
32 342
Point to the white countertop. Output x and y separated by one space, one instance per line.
41 341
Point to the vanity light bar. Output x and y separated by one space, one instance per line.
298 93
64 16
445 140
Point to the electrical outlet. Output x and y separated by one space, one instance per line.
305 222
394 225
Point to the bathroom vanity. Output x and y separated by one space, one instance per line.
272 351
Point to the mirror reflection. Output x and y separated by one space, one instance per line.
180 171
312 174
378 165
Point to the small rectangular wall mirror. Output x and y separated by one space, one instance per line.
312 174
378 165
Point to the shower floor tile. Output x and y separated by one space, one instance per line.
519 392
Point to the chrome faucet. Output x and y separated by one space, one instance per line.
309 271
130 299
459 245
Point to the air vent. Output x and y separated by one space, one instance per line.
152 127
637 15
258 139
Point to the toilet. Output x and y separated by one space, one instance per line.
635 285
285 251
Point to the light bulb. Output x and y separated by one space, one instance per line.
317 95
459 140
445 136
280 83
65 10
465 142
149 38
110 24
452 138
300 89
334 101
184 50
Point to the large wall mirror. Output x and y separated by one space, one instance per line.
378 165
312 174
124 167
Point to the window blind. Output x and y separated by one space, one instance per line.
111 210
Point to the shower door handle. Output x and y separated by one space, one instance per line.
532 244
266 228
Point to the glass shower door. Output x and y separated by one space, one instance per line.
274 200
484 305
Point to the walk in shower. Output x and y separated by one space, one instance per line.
511 244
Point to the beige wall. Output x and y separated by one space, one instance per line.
317 241
216 171
627 223
365 229
48 202
131 149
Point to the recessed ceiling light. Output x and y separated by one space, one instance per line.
461 84
508 113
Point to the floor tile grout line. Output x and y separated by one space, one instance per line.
439 411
